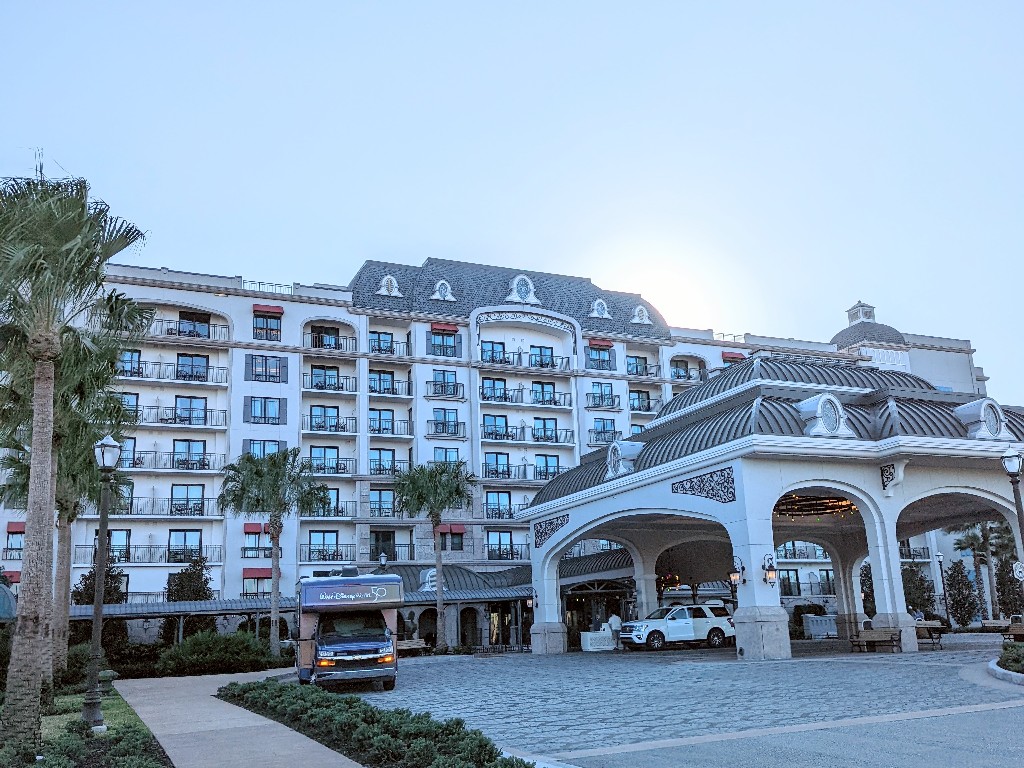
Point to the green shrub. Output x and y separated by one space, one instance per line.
796 622
68 745
209 653
136 659
377 738
128 740
1012 657
78 667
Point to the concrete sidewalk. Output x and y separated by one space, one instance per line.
198 730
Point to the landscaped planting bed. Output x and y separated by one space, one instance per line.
377 738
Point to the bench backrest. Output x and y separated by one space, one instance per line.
877 634
1015 629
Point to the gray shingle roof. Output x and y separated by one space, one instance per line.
865 331
479 285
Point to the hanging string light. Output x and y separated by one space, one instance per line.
795 507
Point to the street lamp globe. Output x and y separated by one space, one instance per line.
383 559
940 558
1012 461
107 452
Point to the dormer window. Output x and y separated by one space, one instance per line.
443 291
389 287
522 291
600 309
641 316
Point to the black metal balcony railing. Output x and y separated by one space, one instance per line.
261 595
642 369
446 429
801 552
341 509
505 471
503 511
680 373
12 553
389 427
329 383
524 359
311 423
600 400
548 472
599 364
329 341
160 507
806 588
915 553
501 395
396 387
604 436
382 509
395 552
644 404
563 399
500 357
85 554
508 552
193 417
495 432
397 348
448 389
185 462
321 466
266 334
388 466
549 362
261 287
442 350
327 553
144 369
158 597
547 435
189 329
256 553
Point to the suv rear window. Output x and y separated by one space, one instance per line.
720 611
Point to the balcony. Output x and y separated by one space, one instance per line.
322 466
85 554
644 404
12 553
448 390
604 436
443 350
341 509
382 509
688 374
508 552
266 334
336 424
258 553
557 436
501 395
806 588
642 369
189 417
503 511
329 342
261 595
388 467
143 506
558 399
144 369
256 285
324 383
604 402
392 388
389 348
801 552
396 552
389 427
599 364
158 597
455 430
320 553
505 471
524 360
915 553
182 462
495 432
548 362
546 473
189 329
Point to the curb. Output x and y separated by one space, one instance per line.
1004 674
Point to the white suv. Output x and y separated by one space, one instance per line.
709 622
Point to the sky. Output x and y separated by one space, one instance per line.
747 167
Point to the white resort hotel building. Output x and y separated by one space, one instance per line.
517 373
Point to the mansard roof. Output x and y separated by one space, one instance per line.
479 285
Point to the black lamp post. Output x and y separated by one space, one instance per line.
1012 462
108 453
942 576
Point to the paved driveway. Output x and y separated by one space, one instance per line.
697 708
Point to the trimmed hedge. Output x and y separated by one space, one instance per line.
377 738
209 653
1012 657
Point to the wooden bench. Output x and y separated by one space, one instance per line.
415 647
930 632
871 639
1014 633
998 624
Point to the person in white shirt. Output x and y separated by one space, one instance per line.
615 625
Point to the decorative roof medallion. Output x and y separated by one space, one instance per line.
600 309
621 455
993 422
984 420
641 316
389 287
824 416
522 291
443 291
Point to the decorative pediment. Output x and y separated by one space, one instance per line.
621 455
984 420
824 416
641 316
443 291
389 287
522 291
600 309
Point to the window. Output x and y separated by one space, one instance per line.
382 422
324 458
496 465
187 499
446 455
15 546
323 377
323 418
492 352
118 544
382 342
129 401
382 541
606 546
251 547
265 410
636 365
599 359
190 410
323 540
190 454
260 448
496 427
324 337
192 368
382 461
498 505
827 580
444 376
635 429
184 546
444 384
542 357
194 324
333 499
639 400
455 544
382 382
259 587
442 344
129 363
446 422
492 389
546 466
499 545
382 503
545 430
128 457
789 582
266 327
604 425
601 395
543 392
266 368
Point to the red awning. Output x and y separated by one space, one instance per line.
601 343
443 528
253 528
257 573
15 527
444 327
733 356
266 527
268 309
13 576
458 528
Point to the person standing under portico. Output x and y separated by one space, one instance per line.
615 625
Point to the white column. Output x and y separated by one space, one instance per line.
548 633
849 607
762 624
890 603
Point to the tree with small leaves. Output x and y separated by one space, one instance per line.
190 583
867 589
1009 588
961 596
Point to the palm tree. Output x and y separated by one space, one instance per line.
54 245
433 489
272 485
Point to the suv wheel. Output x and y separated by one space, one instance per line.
655 641
716 638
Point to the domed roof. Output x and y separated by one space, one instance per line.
867 331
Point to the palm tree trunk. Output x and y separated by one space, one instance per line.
275 588
441 644
979 585
46 655
20 719
62 593
986 545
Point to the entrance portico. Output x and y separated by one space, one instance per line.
849 457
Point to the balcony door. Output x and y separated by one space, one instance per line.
183 546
